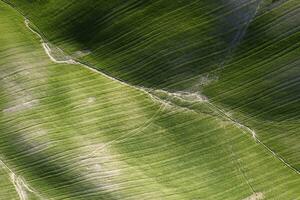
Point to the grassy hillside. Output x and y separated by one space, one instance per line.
67 132
157 43
261 82
243 55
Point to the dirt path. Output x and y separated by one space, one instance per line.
19 183
239 125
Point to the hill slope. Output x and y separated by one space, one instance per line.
242 55
68 132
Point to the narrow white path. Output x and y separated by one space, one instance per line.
20 185
239 125
252 132
72 61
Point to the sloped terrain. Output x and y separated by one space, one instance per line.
150 43
243 55
261 81
71 132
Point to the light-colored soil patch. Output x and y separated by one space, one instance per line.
18 86
21 106
80 54
255 196
190 96
186 96
207 79
91 100
102 167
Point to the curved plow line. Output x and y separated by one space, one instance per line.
240 168
131 133
238 38
72 61
252 132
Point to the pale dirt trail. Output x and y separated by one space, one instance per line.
73 62
253 133
255 196
21 187
239 125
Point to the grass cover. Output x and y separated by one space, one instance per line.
242 55
69 132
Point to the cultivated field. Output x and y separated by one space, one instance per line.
149 100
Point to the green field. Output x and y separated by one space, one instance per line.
68 131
